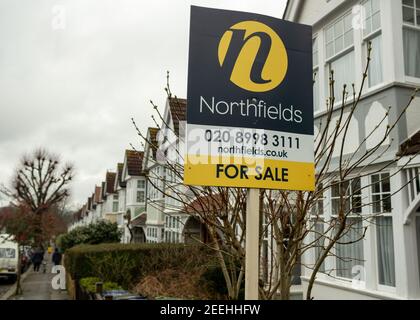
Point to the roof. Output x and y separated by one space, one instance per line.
411 146
110 181
120 167
139 221
134 162
178 109
206 204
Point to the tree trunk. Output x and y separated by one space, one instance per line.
18 274
285 286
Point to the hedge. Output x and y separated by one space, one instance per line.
100 232
126 264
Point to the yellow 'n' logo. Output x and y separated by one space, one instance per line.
253 56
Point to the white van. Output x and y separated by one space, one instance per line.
9 262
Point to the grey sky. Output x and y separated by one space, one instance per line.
71 85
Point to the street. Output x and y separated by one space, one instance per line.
5 285
35 285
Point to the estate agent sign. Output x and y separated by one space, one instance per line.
250 102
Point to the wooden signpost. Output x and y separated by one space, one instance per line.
249 111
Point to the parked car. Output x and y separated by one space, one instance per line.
8 257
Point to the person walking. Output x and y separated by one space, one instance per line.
56 257
37 258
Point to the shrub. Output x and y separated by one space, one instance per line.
176 283
126 264
100 232
213 278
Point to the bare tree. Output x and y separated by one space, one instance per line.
38 190
295 221
39 183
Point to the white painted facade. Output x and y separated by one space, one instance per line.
134 199
155 198
340 37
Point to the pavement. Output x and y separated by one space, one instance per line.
37 286
5 285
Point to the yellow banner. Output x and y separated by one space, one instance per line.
249 173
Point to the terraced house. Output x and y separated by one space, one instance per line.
388 257
155 198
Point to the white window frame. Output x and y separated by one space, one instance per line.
406 25
336 56
117 206
368 37
380 193
142 182
318 217
350 196
352 215
415 8
371 16
137 196
315 70
380 287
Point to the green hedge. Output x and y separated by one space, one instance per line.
100 232
127 263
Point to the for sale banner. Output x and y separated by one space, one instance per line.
250 102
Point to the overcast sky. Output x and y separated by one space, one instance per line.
73 73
